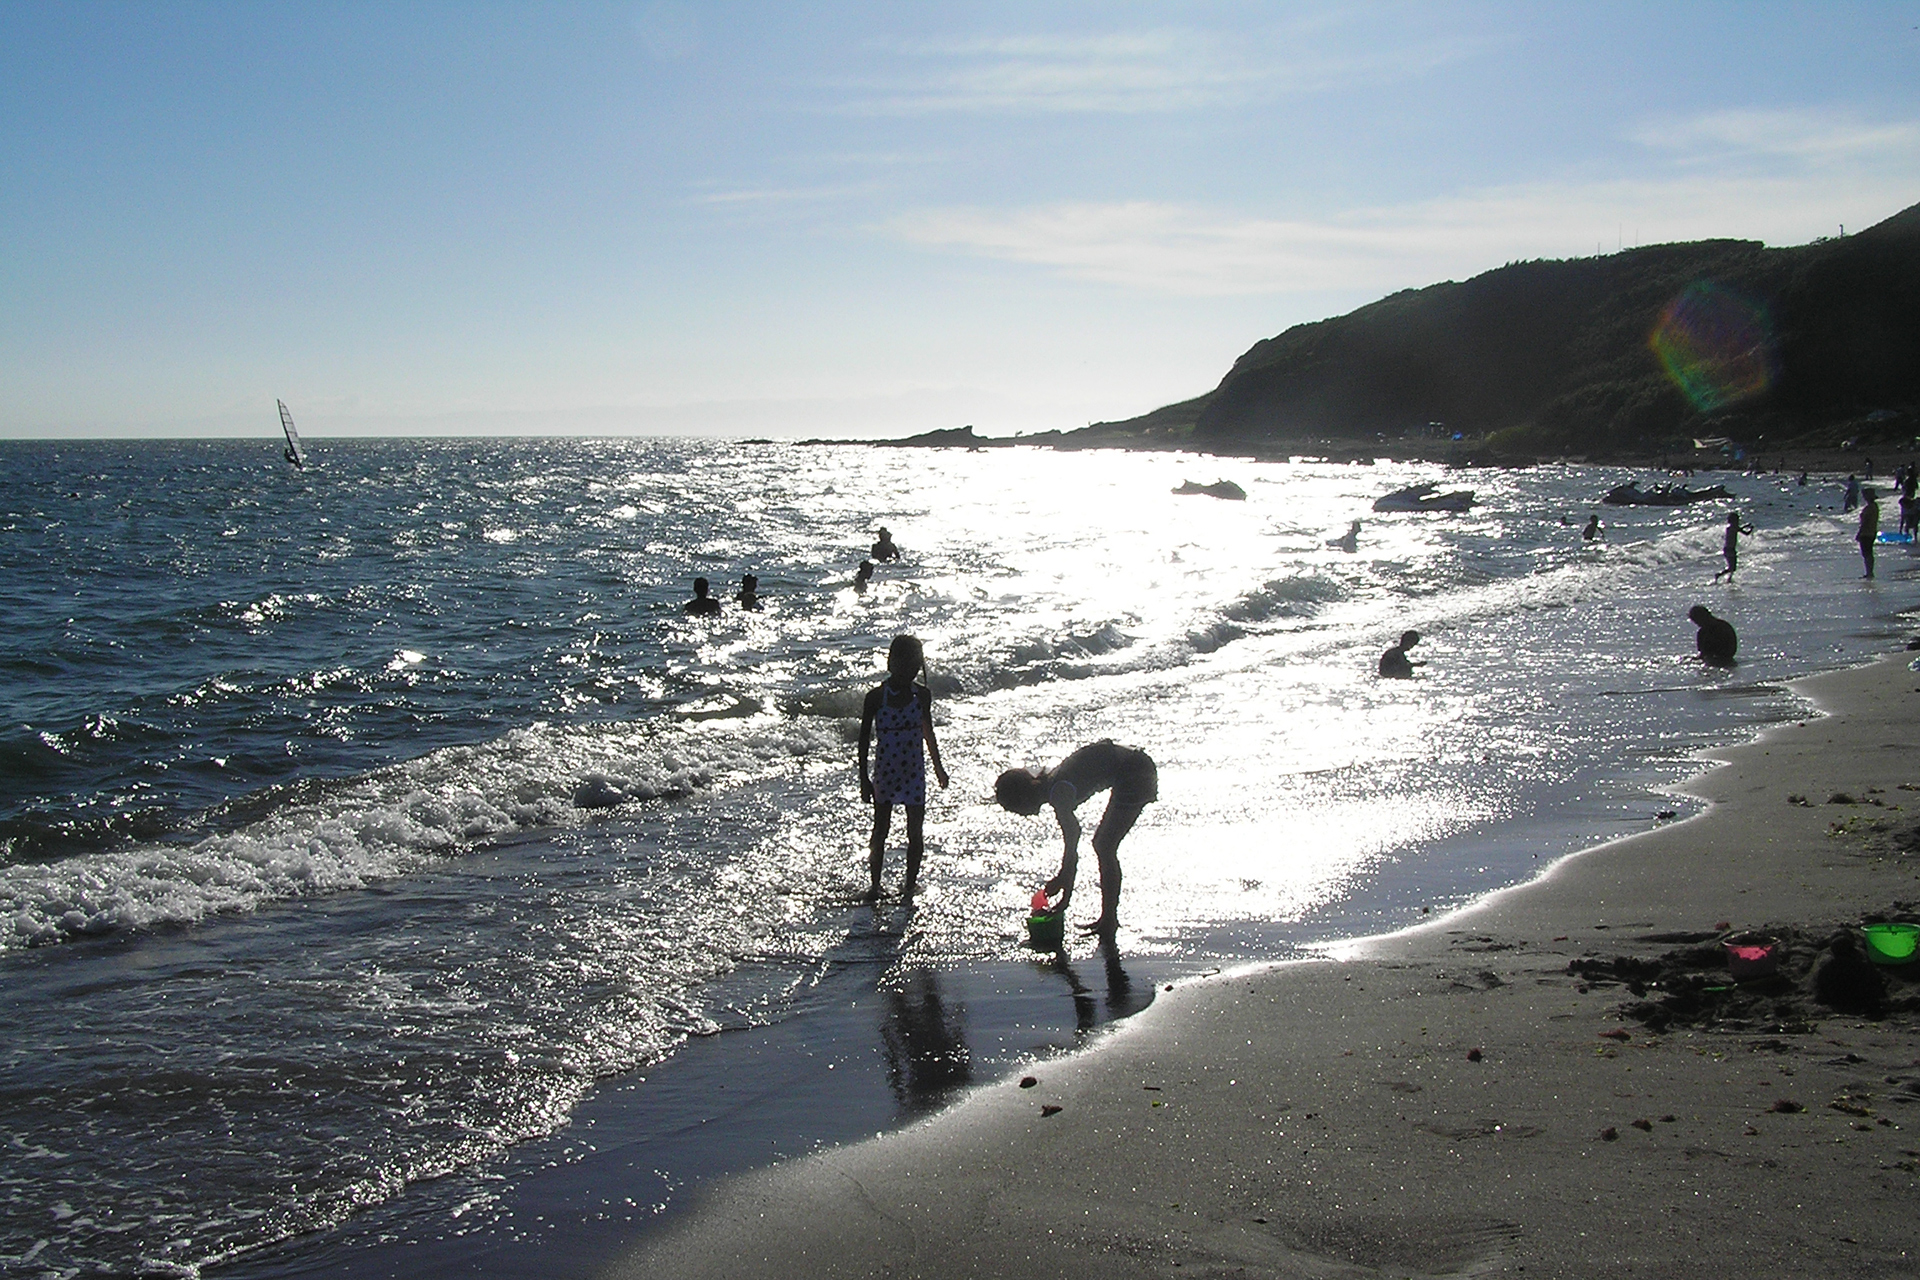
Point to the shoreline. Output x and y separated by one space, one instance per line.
1455 1097
1831 460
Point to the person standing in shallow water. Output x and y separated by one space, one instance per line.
1730 545
1869 527
1132 781
897 718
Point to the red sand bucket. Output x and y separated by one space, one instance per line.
1752 957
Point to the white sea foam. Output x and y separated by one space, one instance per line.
391 823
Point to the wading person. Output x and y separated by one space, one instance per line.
1715 640
897 718
1395 664
1730 545
1869 527
1132 782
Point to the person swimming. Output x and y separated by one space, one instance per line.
749 596
702 604
862 576
1394 663
883 549
1348 541
1593 529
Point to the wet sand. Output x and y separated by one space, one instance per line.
1558 1081
850 1057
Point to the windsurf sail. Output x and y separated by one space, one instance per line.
294 455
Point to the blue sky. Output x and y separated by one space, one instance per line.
856 218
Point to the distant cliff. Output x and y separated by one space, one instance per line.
1629 353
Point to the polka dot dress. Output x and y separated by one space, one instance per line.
899 763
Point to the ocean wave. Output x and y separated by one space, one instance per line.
1299 595
390 823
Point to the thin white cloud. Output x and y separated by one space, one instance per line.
1167 69
1867 172
1815 137
781 197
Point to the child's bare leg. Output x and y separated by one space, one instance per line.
916 823
1108 852
877 846
1113 828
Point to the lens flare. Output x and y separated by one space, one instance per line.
1716 346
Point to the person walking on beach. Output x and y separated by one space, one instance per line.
1730 545
1716 639
1132 782
1394 663
702 605
897 718
1853 495
1869 527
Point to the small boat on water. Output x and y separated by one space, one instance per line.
1631 494
1218 489
294 455
1424 497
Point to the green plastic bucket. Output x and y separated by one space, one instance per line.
1047 930
1891 943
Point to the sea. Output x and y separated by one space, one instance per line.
381 843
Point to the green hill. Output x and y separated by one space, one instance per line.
1627 354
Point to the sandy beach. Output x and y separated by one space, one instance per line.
1559 1080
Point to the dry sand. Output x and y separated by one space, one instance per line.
1456 1100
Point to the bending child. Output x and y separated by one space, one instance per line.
1135 784
900 712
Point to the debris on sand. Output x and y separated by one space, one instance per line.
1822 971
1846 980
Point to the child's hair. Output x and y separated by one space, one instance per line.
1015 790
906 656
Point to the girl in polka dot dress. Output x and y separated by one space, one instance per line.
897 718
